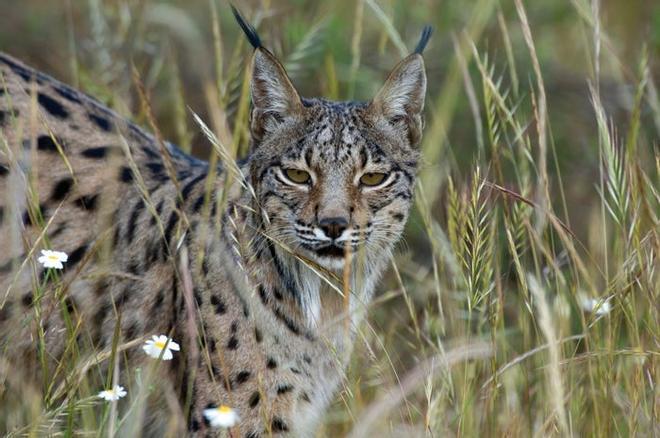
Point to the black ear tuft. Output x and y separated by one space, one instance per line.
424 39
248 29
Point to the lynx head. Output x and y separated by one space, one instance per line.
335 176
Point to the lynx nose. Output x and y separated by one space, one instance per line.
333 227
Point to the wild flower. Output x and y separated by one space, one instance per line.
113 394
599 306
160 343
222 416
52 259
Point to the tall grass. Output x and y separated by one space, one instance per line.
524 299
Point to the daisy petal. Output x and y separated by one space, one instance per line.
160 347
222 416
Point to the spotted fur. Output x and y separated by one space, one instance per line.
267 272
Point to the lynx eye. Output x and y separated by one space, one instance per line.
372 178
297 176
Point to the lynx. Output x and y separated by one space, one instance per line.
262 270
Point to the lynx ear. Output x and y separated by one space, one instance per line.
273 96
401 100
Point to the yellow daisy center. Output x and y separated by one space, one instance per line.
53 258
159 344
224 409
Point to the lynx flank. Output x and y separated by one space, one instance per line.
245 266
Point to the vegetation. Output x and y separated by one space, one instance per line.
524 300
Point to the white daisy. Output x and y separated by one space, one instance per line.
599 306
113 394
154 346
222 416
52 259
